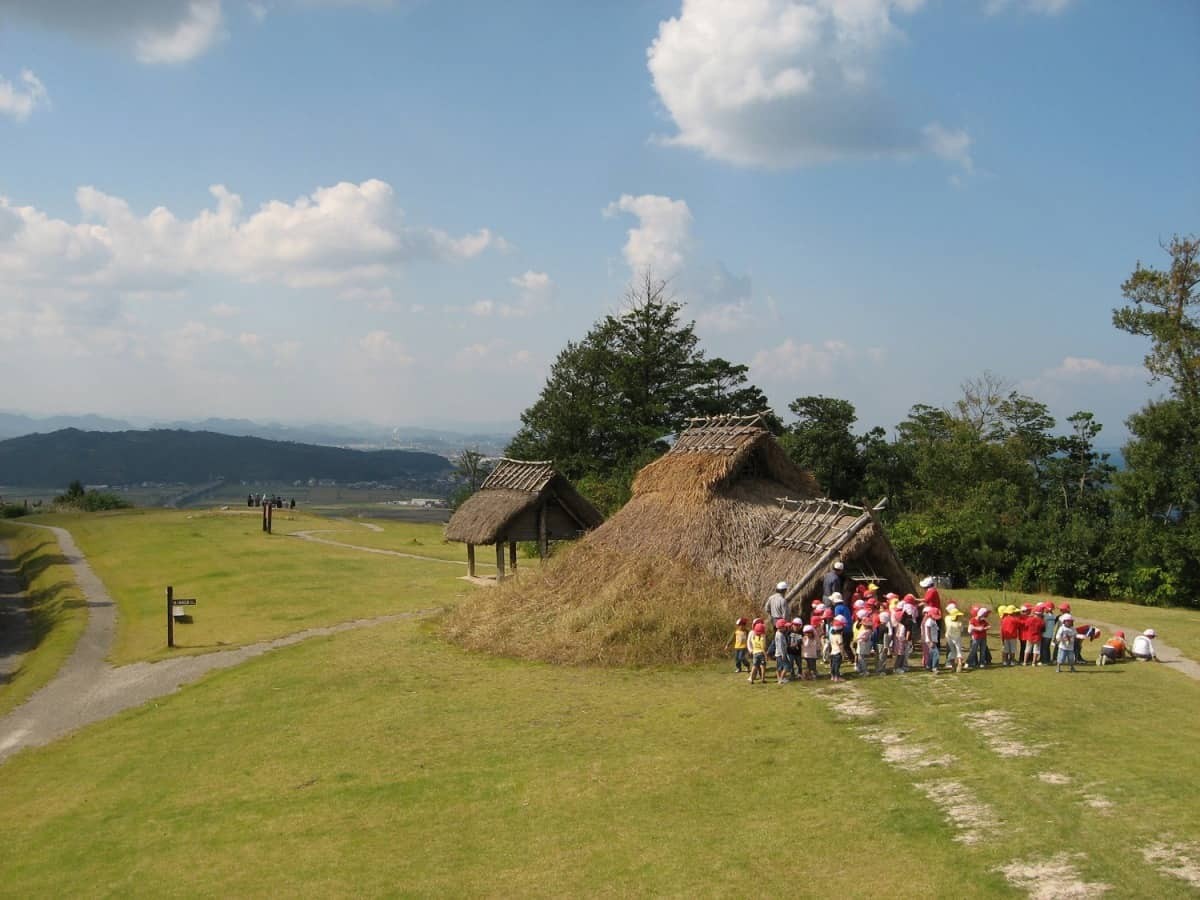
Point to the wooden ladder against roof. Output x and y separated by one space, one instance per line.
868 517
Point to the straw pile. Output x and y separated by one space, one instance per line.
593 606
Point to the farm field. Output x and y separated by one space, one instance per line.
387 761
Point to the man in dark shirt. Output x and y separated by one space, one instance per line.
833 582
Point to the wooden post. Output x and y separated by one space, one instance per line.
543 547
170 617
499 560
471 560
270 508
512 556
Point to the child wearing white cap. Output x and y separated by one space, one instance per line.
1065 638
1143 646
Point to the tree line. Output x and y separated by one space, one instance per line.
989 489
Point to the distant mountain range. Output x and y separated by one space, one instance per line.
362 436
194 457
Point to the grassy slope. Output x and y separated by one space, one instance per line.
384 761
249 586
56 610
407 766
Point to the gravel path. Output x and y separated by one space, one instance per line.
1167 655
87 689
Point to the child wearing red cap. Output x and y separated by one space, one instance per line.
783 662
810 648
1031 633
758 652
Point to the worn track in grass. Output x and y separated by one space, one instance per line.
87 689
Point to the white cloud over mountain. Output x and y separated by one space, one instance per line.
782 83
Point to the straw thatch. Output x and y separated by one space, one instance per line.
711 502
809 535
508 503
664 578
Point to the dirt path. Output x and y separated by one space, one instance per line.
1167 655
16 634
312 536
87 689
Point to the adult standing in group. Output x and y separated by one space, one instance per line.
776 606
832 583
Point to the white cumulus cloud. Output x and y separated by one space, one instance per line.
781 83
1082 368
152 31
19 102
661 238
793 359
336 236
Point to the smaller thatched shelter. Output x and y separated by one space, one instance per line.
810 535
521 501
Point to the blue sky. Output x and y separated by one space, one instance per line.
400 212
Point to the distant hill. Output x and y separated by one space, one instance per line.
490 439
193 457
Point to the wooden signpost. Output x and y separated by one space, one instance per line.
174 608
266 508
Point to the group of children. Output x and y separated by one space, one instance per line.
891 628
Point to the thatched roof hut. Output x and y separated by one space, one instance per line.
810 535
521 501
711 501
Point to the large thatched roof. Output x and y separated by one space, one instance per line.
714 453
506 505
809 535
711 501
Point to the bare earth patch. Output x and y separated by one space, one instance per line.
1177 860
854 706
898 750
1001 733
1056 878
1054 778
974 819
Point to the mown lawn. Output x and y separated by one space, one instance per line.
385 762
56 610
249 586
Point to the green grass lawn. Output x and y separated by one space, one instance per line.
420 539
56 610
250 586
385 761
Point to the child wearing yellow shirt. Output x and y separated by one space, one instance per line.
740 635
758 653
